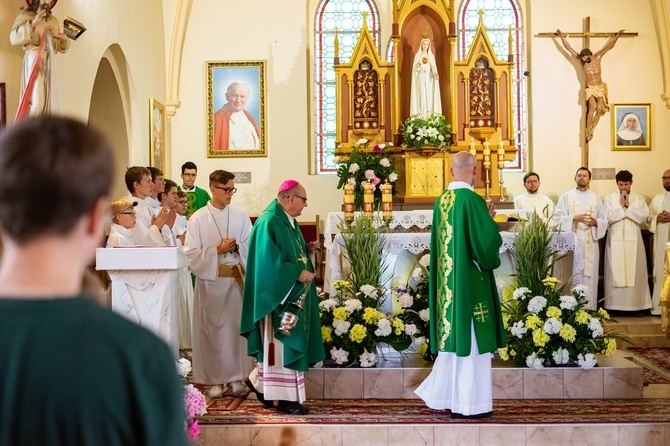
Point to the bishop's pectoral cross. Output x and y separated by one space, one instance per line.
596 90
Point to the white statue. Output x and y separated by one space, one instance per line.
425 93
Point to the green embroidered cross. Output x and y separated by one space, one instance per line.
480 313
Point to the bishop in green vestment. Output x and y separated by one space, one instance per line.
278 272
465 316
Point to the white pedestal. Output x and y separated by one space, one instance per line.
145 284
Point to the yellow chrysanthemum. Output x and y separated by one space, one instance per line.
371 315
340 313
398 325
340 285
568 332
582 317
506 317
512 353
503 354
605 315
554 312
551 282
533 321
540 338
611 346
358 333
326 334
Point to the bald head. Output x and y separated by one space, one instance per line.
464 167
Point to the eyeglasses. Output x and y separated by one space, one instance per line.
665 178
304 199
228 190
128 213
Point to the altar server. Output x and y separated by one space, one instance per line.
659 224
626 286
581 211
532 199
217 243
466 321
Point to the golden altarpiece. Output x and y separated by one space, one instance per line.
373 100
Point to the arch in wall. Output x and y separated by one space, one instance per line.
114 111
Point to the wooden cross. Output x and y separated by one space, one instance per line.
586 35
480 313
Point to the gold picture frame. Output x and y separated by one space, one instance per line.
631 126
156 134
236 109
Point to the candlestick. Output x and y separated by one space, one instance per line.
487 167
473 149
501 156
387 202
368 199
349 201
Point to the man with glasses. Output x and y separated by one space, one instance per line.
279 277
197 197
659 224
217 246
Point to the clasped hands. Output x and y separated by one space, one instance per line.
164 217
586 219
227 245
624 200
663 217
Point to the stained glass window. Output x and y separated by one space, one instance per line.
499 17
345 16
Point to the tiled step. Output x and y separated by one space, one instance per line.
643 331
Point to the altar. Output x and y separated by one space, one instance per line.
408 239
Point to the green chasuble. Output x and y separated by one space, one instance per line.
463 254
197 198
277 256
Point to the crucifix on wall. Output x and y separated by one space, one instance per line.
595 92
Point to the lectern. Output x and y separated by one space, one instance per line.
145 286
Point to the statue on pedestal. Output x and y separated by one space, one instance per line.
425 91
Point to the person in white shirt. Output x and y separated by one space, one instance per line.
123 220
180 223
147 230
659 225
532 199
167 200
626 286
159 186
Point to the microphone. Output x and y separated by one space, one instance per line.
132 205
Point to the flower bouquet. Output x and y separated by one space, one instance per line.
432 131
194 400
362 165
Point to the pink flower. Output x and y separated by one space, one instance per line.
376 180
194 402
193 430
378 148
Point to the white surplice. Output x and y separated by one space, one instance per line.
626 286
661 231
576 202
541 204
219 352
120 236
144 233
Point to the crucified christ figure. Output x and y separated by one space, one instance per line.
596 90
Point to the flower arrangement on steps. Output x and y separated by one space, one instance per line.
194 400
545 324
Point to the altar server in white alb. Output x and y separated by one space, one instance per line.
659 224
217 246
581 211
532 199
626 287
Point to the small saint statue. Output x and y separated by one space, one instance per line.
425 92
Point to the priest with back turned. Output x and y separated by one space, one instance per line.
280 280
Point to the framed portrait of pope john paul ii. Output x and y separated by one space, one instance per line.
236 109
631 126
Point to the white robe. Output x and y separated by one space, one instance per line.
661 231
626 286
425 89
120 236
576 202
219 352
144 233
541 204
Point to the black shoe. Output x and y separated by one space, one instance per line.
259 395
291 408
460 416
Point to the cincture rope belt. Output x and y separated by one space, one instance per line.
235 271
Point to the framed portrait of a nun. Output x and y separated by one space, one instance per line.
631 126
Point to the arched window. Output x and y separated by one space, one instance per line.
345 16
499 17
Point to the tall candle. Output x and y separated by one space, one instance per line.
501 155
368 199
349 201
473 149
387 201
487 154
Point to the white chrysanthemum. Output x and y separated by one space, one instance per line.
410 329
326 305
568 302
424 315
587 361
537 304
533 362
370 174
367 359
425 260
385 162
339 355
353 168
352 305
382 146
561 356
552 326
341 327
392 177
419 341
417 274
369 291
582 290
518 329
520 293
183 367
362 141
406 300
384 328
596 327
